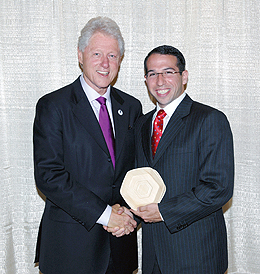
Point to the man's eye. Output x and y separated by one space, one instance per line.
152 74
112 56
169 72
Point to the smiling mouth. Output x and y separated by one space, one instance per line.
162 91
105 73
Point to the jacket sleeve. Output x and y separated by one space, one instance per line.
215 182
51 176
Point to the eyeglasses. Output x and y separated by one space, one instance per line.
165 74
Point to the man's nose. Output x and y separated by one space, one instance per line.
105 62
160 79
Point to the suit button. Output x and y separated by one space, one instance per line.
113 186
182 226
109 159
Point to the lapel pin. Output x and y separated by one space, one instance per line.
120 112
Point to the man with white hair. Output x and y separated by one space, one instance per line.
83 147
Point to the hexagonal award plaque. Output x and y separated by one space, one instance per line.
142 186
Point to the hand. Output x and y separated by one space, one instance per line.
120 232
149 213
121 221
126 211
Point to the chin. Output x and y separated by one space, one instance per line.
104 84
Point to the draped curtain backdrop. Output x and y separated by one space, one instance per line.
38 54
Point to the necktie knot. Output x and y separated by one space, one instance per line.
101 100
161 114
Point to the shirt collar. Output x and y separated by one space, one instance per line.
170 108
91 94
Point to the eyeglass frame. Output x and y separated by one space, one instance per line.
164 74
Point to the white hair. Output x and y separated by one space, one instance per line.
104 25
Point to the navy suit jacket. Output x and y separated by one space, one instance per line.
195 160
73 169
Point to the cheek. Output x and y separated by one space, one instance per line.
150 86
92 62
88 69
114 66
172 83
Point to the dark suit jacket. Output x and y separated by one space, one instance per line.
195 160
73 169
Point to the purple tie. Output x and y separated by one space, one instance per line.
106 127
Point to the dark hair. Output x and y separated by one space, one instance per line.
167 50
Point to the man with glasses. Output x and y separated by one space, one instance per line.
191 146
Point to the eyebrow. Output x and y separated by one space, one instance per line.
162 69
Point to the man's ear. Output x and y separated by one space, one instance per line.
80 56
185 76
145 79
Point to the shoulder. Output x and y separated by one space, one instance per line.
208 119
62 95
197 109
124 97
144 118
197 114
203 110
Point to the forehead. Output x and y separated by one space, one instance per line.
102 41
161 61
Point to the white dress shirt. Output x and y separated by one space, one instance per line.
169 109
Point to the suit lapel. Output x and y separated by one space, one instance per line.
146 137
173 127
120 117
84 113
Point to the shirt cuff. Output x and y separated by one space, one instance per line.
161 216
105 216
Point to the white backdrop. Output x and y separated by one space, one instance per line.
38 54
